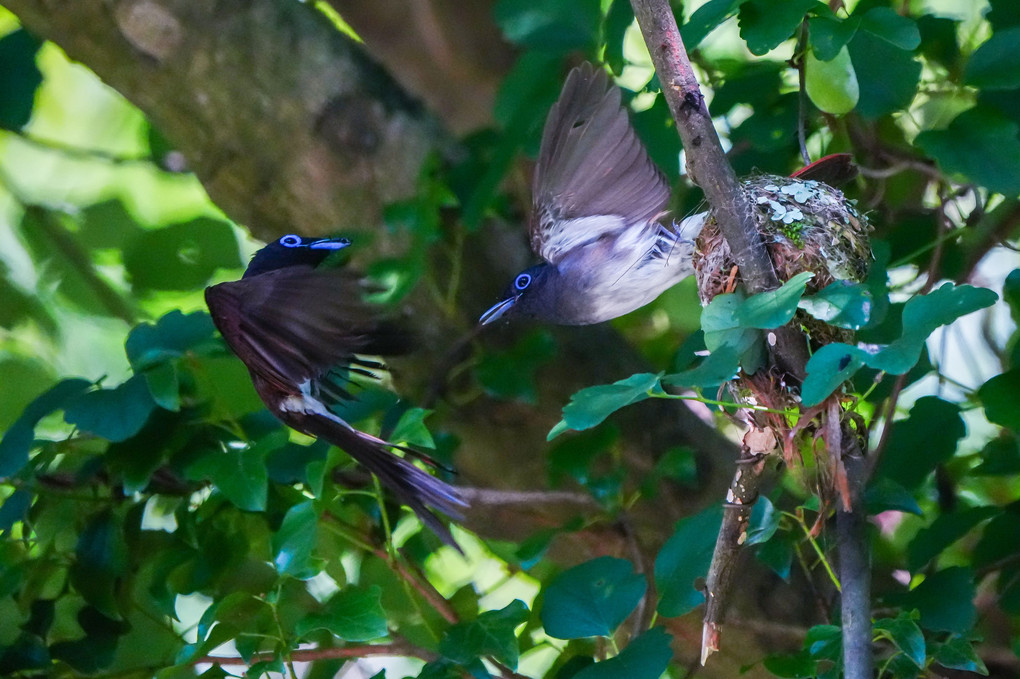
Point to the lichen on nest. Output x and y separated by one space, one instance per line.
806 226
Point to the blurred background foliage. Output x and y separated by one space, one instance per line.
152 512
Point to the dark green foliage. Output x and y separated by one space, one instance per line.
147 491
19 78
591 599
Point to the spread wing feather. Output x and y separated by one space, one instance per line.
298 324
590 164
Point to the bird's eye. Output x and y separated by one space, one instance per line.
522 281
290 241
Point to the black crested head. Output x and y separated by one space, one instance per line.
292 250
533 293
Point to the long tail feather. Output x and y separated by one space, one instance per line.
413 486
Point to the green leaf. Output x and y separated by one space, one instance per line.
590 407
14 508
718 367
887 75
164 386
922 315
832 84
172 336
774 308
999 397
411 429
981 144
354 614
550 24
106 225
764 25
828 35
239 474
619 17
1011 294
114 414
646 657
17 440
777 554
295 541
892 27
884 495
945 600
792 665
706 19
905 635
95 651
19 78
511 374
490 634
591 599
181 256
764 522
1003 13
100 559
958 654
995 65
1000 456
1000 539
842 303
684 558
921 442
824 642
944 531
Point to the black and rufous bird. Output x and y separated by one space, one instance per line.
597 199
598 209
301 331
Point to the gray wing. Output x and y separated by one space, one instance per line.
593 175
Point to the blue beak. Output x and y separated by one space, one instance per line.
497 311
330 244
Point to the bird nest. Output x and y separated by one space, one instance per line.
806 226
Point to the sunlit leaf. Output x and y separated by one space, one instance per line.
832 85
842 303
354 614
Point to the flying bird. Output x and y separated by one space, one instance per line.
598 203
301 331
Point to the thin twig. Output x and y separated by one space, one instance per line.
397 648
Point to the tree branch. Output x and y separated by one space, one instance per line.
287 123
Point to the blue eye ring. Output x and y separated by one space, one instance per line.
290 241
522 281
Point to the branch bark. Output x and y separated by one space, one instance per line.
708 167
286 121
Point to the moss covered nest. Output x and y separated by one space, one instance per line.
806 226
